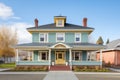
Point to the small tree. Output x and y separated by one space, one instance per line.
107 41
100 41
8 38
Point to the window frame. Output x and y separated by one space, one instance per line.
45 38
80 55
77 36
63 35
40 55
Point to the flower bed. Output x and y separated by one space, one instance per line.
90 69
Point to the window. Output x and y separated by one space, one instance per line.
43 55
77 37
76 55
59 22
60 37
43 37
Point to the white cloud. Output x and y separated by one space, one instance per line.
23 35
6 12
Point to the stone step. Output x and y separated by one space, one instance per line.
60 68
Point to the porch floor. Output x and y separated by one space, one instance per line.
59 68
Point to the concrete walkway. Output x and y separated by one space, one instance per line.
60 75
116 70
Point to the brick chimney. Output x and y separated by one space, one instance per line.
85 22
36 23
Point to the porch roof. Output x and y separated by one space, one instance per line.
80 46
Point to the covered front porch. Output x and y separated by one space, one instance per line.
58 54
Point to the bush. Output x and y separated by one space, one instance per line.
31 68
90 69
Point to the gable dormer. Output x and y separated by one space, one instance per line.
60 21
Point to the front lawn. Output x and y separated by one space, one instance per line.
7 65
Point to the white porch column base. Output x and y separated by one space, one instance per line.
49 58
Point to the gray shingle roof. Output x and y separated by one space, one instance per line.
114 44
67 26
51 44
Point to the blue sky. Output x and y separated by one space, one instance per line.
103 15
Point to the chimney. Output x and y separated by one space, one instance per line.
85 22
36 23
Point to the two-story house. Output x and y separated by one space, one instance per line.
59 43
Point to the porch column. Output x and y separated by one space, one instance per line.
49 58
29 55
101 56
17 55
70 59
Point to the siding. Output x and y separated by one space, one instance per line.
67 56
69 37
52 37
35 37
84 55
84 37
52 56
35 56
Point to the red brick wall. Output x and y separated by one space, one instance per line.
107 56
118 57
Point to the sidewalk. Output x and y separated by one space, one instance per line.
60 75
116 70
3 69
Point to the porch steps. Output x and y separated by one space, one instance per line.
60 68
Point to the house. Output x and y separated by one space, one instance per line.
111 55
59 43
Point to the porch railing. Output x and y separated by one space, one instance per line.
86 63
32 63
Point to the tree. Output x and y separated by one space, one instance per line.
8 38
107 41
100 41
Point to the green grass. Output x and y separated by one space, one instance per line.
7 65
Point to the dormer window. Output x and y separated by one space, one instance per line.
59 22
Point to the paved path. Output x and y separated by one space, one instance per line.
60 75
113 69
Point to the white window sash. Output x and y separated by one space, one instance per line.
61 35
78 35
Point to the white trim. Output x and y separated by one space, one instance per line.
79 37
45 41
61 44
32 55
63 37
54 30
40 55
49 57
80 55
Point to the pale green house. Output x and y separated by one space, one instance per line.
59 43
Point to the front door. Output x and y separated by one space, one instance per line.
60 58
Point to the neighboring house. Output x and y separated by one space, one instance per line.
111 55
59 43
